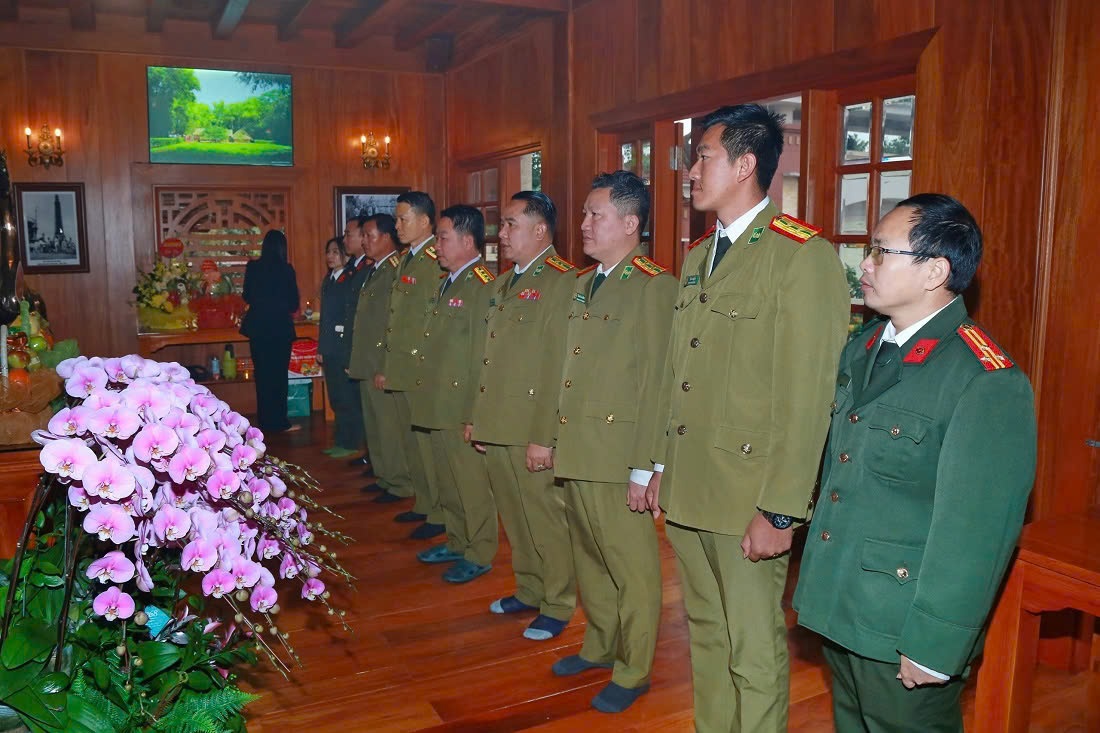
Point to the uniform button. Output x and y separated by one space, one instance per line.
825 536
415 352
585 316
426 334
895 431
481 388
832 407
834 497
695 343
844 457
576 351
903 573
703 297
563 419
454 384
378 345
610 419
520 319
421 357
500 307
734 314
606 316
492 334
531 392
419 382
681 430
853 418
485 362
686 386
746 448
568 383
389 330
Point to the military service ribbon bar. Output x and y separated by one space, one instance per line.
793 228
483 274
455 302
530 294
408 280
648 266
991 357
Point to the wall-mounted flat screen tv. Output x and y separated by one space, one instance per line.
219 117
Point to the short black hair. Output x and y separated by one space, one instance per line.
750 128
361 219
274 246
943 227
339 242
467 220
539 205
628 193
387 227
420 202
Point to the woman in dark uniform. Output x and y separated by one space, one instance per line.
334 347
271 291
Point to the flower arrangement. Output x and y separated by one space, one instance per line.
163 295
159 541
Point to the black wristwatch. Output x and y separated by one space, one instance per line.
779 521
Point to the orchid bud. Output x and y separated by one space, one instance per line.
258 629
245 497
138 663
120 650
141 618
241 595
274 631
238 618
274 609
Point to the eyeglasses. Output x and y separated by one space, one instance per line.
876 252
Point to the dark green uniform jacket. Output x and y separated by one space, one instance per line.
371 315
922 496
414 287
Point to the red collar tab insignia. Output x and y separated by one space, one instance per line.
530 294
702 239
648 266
430 251
342 276
874 337
795 229
408 280
920 351
586 270
991 357
483 274
559 264
455 302
394 260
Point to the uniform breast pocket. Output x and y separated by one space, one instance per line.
736 307
886 585
898 443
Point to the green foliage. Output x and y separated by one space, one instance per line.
171 91
258 152
208 713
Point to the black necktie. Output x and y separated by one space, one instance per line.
443 288
370 274
409 257
600 277
721 247
886 369
515 278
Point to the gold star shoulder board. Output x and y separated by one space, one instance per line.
586 270
701 239
559 264
648 266
988 353
795 229
394 260
483 274
430 251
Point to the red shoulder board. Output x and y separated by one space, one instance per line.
586 270
874 337
991 357
920 351
648 266
559 264
430 251
792 228
483 274
701 239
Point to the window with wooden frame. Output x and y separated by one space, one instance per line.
491 183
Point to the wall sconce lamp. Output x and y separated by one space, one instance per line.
48 150
373 157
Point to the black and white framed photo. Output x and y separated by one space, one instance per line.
52 236
352 201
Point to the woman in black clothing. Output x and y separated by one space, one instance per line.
271 291
334 348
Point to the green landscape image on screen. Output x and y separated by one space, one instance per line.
220 117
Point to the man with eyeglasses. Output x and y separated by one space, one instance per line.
930 460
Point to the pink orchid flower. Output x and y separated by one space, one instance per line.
263 598
155 442
144 580
288 568
108 479
312 589
66 368
116 422
171 524
268 548
260 489
131 364
223 484
305 536
149 402
243 456
114 370
278 488
69 421
204 522
84 380
114 567
218 583
204 405
113 603
78 498
210 440
198 556
245 572
67 458
287 507
188 464
109 522
101 398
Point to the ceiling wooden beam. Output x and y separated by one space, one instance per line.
546 6
290 22
228 18
413 37
364 20
155 13
82 15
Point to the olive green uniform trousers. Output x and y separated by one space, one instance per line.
421 469
465 498
619 578
387 450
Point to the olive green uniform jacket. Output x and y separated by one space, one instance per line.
752 360
415 285
614 347
517 398
371 314
450 352
922 496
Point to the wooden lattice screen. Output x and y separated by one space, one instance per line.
225 225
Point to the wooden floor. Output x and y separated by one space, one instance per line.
428 656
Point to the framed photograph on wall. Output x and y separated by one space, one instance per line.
352 201
52 234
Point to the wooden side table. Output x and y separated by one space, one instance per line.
1058 567
19 471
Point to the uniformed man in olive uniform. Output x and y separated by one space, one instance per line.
380 415
930 461
414 289
760 321
515 413
615 343
454 336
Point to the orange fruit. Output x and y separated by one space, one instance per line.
19 376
